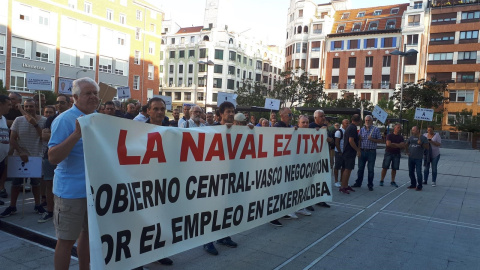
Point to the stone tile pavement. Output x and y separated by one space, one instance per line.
388 228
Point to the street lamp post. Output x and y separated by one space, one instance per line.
81 70
403 54
207 63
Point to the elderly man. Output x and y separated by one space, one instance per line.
26 140
339 146
350 152
5 105
186 114
394 145
415 146
195 118
369 137
66 151
131 111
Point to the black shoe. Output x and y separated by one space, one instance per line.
370 188
412 187
310 208
356 185
1 202
227 241
3 193
165 261
39 209
287 217
424 182
276 223
210 249
323 204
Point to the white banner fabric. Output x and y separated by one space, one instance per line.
156 191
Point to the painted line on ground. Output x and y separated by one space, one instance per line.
446 222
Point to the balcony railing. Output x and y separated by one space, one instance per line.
367 86
334 86
350 86
384 85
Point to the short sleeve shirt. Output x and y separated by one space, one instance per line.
28 138
69 179
340 133
415 149
350 132
4 138
392 137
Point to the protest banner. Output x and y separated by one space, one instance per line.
380 114
19 169
272 104
423 114
40 82
224 96
65 86
123 92
156 191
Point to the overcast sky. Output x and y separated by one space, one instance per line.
266 18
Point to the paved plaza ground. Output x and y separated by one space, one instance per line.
388 228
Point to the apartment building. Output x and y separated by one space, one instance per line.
116 42
453 55
198 62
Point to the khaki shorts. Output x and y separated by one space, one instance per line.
70 217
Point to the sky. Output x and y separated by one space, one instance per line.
266 19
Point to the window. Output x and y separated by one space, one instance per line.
18 81
417 5
411 60
121 39
377 13
123 2
203 53
172 54
136 82
218 69
231 70
370 43
191 53
109 14
444 18
231 55
68 57
414 20
373 26
412 39
153 27
181 54
136 59
217 83
369 61
180 69
314 62
471 15
388 42
178 96
443 37
367 79
345 15
356 27
382 96
105 64
335 82
151 47
390 24
353 44
467 55
219 54
202 67
45 53
121 67
352 62
87 60
72 4
315 46
161 55
409 78
137 33
385 79
25 13
440 56
21 48
160 68
230 84
139 15
336 63
201 81
239 58
469 34
361 14
190 68
87 7
465 76
461 95
43 17
341 28
200 96
304 47
365 96
123 18
317 28
187 96
151 70
300 13
394 11
387 59
337 45
244 60
171 69
259 65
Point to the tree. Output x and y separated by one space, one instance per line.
251 94
298 90
469 123
349 101
3 89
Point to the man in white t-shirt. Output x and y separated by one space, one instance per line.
339 142
5 105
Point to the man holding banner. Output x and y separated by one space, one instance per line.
66 150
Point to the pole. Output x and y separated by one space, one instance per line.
39 103
401 83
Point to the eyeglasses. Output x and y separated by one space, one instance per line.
197 111
290 114
61 102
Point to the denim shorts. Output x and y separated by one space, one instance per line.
19 181
393 159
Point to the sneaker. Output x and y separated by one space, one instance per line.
418 189
11 210
344 190
434 184
45 217
337 184
304 212
370 188
165 261
292 215
412 187
210 249
39 209
350 188
3 193
227 241
323 204
393 184
381 183
276 223
356 185
310 208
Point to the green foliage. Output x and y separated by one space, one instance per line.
3 89
468 123
251 94
50 97
298 90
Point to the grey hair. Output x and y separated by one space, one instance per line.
76 89
368 116
16 94
318 111
195 106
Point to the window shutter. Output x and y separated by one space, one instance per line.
383 42
364 43
375 43
342 46
394 42
332 45
348 44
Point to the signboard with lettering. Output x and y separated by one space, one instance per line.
40 82
65 86
272 104
224 96
423 114
380 114
168 101
123 92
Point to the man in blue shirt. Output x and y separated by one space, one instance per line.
66 151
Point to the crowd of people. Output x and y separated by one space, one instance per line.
55 136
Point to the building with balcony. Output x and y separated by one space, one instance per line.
114 42
453 55
200 61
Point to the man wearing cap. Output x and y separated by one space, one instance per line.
240 119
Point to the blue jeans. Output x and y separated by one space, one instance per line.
415 165
367 156
434 163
